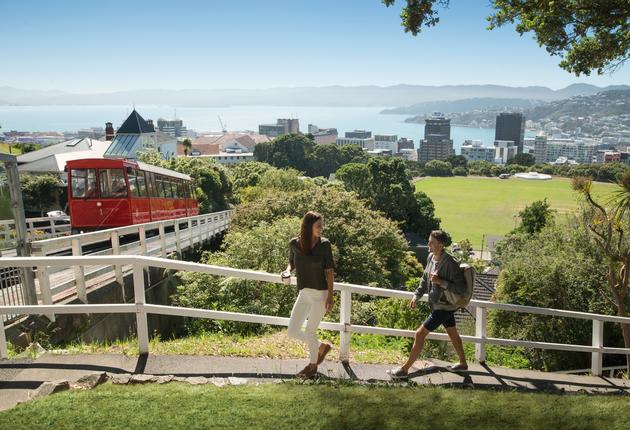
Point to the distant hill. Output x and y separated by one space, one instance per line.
396 95
606 103
426 108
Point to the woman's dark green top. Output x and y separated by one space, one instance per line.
310 269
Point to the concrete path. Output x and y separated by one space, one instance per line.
18 378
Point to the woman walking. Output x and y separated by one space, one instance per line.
310 255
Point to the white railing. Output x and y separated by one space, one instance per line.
37 228
344 326
187 232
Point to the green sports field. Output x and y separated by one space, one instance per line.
471 207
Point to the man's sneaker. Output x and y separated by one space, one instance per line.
457 367
398 373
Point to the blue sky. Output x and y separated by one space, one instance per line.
90 46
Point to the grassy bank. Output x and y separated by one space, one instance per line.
325 406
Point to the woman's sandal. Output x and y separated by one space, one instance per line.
398 373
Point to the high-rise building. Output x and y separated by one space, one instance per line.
511 126
437 143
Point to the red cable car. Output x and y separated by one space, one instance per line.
106 193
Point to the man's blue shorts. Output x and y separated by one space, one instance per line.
439 317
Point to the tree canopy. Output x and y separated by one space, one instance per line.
589 35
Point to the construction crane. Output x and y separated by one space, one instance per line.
223 126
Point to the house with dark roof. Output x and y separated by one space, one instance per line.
136 135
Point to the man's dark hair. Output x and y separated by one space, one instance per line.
441 236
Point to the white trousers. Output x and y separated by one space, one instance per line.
311 305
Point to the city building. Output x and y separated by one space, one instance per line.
511 126
473 150
358 134
282 126
174 127
136 135
404 143
229 158
380 152
437 143
364 143
229 142
323 136
549 150
386 141
407 154
91 133
504 150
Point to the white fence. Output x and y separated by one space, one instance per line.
187 232
344 326
37 228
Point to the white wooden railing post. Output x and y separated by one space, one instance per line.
43 278
53 230
162 240
344 335
118 268
143 240
598 342
4 351
79 271
142 325
178 241
480 332
191 236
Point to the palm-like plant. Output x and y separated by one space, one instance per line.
187 144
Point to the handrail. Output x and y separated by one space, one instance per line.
101 235
344 326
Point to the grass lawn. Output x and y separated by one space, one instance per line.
15 150
314 406
473 206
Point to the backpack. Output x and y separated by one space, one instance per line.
462 300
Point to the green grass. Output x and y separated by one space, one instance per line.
314 406
15 150
364 348
471 207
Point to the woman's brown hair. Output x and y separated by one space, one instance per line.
306 232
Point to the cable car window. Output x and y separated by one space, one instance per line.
133 183
142 186
83 183
112 183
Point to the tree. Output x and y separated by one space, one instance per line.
609 230
535 217
324 160
522 159
384 184
557 268
41 192
187 144
438 168
288 150
588 35
457 161
371 248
